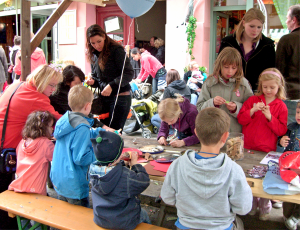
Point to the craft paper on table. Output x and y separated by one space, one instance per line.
163 167
271 156
151 171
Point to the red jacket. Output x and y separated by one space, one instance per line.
26 100
37 59
260 134
149 65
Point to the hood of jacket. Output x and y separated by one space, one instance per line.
33 147
205 175
69 122
107 181
178 84
38 53
185 107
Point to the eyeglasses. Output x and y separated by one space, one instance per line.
52 86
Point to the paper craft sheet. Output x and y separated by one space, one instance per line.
151 171
163 167
270 156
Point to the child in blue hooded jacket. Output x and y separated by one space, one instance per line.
115 187
73 152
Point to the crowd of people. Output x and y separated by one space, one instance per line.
245 93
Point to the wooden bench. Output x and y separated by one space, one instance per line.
53 212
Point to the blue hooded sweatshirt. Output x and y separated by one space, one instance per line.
73 153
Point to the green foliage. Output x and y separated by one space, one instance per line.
191 35
203 69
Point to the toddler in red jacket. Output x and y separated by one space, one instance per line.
264 118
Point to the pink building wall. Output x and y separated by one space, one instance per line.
176 43
85 17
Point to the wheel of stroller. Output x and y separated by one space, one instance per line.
146 134
155 130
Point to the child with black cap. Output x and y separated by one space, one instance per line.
115 187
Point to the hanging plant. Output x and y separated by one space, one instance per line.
191 34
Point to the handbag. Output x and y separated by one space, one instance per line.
97 104
8 157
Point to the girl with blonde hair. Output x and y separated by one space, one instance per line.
264 118
181 115
226 88
257 51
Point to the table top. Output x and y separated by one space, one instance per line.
251 157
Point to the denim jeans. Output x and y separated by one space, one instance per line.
156 121
83 202
144 218
120 113
154 85
194 98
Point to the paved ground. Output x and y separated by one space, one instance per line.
148 197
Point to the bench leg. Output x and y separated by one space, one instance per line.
35 226
161 215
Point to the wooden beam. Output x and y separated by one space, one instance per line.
47 26
93 2
25 39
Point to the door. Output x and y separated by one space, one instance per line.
221 30
116 24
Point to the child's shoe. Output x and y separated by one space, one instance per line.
252 212
291 222
276 204
264 216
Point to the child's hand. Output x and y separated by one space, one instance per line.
219 100
177 143
284 141
134 158
266 112
258 106
162 141
198 90
231 106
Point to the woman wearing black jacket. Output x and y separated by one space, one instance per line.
107 58
257 51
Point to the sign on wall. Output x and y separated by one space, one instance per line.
67 28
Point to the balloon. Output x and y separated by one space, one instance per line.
135 8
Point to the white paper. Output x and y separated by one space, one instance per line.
112 25
270 156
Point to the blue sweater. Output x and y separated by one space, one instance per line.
73 153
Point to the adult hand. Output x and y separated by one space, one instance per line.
138 80
106 91
219 100
231 106
162 141
284 141
193 80
266 112
90 81
177 143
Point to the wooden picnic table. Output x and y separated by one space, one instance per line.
251 158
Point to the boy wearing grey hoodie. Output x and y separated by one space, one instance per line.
207 187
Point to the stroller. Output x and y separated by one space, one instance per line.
141 111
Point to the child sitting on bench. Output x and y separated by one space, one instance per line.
73 152
115 187
207 187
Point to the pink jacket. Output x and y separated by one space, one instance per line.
149 65
37 59
32 166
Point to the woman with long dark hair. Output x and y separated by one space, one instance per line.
107 59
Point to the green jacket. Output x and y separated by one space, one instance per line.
212 88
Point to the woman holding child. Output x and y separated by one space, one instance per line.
107 59
257 51
31 96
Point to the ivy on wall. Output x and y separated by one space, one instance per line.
191 35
